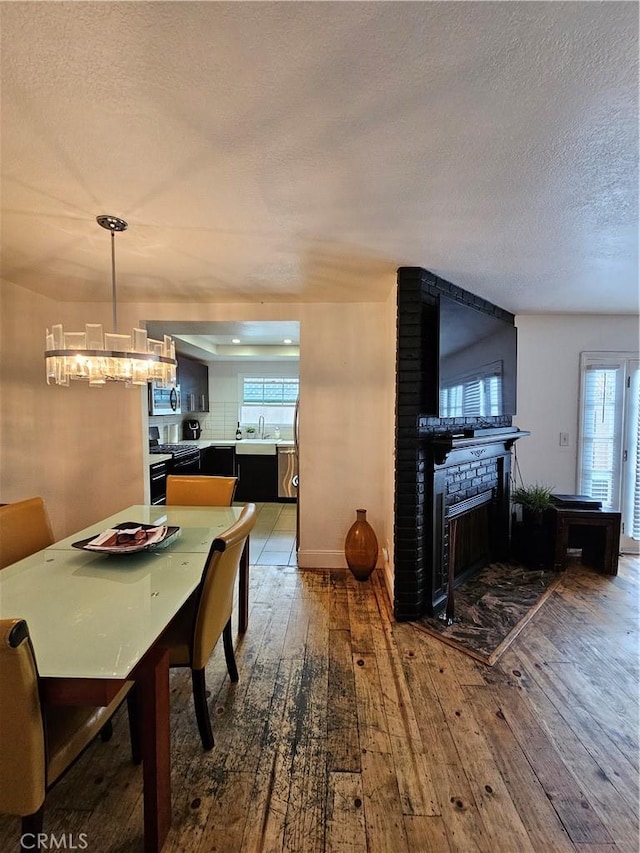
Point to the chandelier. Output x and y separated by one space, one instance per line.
99 357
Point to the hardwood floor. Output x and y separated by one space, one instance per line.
348 732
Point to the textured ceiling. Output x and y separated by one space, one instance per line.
304 151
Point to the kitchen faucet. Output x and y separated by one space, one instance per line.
261 426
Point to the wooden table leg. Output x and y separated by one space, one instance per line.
152 685
243 589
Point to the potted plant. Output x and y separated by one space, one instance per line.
532 537
533 499
251 431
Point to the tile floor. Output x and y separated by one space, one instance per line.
273 539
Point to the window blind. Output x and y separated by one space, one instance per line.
601 445
631 502
474 396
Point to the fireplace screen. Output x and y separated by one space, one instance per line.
469 533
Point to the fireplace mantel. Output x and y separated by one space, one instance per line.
460 472
443 444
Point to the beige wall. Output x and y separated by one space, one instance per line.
549 348
389 369
71 445
344 407
82 449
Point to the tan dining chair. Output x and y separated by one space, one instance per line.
194 632
24 529
200 490
38 743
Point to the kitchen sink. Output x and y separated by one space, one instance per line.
256 446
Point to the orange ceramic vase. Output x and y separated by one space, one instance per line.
361 547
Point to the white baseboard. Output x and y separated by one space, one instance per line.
387 574
321 560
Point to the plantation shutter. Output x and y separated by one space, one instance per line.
472 395
475 396
632 486
602 430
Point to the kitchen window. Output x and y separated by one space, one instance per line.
271 397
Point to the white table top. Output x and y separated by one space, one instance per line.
92 615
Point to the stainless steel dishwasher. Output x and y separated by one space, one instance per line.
287 472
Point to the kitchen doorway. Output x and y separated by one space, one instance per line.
248 414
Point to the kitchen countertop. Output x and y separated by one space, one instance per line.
218 442
152 458
230 442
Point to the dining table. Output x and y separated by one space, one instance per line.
95 621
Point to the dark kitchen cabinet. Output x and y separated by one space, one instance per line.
158 483
257 478
219 461
193 378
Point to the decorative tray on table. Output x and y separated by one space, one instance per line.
129 537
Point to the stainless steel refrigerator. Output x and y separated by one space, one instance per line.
288 476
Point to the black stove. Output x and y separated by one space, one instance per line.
185 458
174 449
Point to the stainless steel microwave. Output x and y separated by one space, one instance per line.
164 401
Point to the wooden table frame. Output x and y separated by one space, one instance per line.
151 677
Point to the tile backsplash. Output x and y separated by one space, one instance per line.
219 422
222 421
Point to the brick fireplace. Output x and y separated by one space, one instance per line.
452 474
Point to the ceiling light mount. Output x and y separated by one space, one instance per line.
112 223
101 357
